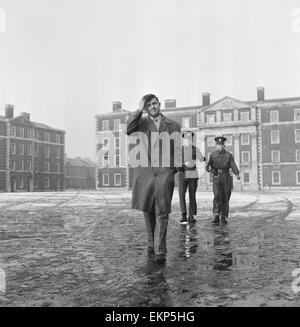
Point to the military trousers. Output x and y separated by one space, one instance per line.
222 186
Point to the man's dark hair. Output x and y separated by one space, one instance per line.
149 97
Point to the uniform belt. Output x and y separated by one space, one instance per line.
220 171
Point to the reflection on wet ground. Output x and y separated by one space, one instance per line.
97 256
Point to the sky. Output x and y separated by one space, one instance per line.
65 61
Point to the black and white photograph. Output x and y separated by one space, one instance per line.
149 156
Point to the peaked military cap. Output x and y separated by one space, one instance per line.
220 139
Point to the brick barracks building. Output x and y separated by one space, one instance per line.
31 154
263 135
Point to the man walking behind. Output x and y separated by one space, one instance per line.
153 185
188 177
219 164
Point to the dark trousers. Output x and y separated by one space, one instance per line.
191 184
222 186
156 227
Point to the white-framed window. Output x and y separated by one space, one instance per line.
31 134
185 122
57 181
117 179
21 182
47 152
210 141
227 117
297 155
37 135
21 164
21 149
297 114
117 161
275 156
13 131
47 137
244 116
246 177
245 139
276 178
57 165
106 160
105 179
245 157
105 125
275 137
297 135
47 166
22 132
106 143
228 140
36 151
29 165
117 143
57 138
13 165
298 177
210 119
13 148
30 150
47 182
274 116
117 124
57 152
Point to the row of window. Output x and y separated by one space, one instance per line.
22 183
245 140
31 134
276 177
275 136
106 160
117 180
106 143
274 115
36 151
227 118
275 155
117 125
22 166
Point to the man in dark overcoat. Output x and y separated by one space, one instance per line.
153 182
219 164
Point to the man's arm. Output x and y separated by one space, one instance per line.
199 156
208 166
134 122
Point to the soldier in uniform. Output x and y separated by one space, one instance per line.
188 177
219 164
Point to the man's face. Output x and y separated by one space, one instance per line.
153 107
220 147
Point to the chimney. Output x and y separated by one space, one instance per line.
117 105
260 94
170 103
9 111
205 99
26 115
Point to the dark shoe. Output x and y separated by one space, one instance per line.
216 220
183 220
192 220
161 259
150 251
223 220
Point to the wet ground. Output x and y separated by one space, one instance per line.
89 249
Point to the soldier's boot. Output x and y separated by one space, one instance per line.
216 220
191 219
183 220
223 220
